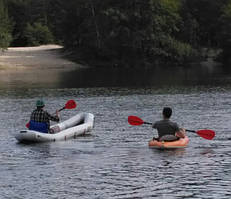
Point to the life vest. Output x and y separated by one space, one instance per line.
38 126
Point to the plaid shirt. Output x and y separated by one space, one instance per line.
39 115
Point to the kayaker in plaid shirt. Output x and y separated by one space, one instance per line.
40 119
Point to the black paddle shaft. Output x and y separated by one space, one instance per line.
62 109
190 131
147 123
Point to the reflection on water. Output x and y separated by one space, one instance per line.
114 77
169 152
208 152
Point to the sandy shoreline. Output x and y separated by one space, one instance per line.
41 57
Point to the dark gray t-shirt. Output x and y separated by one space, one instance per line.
165 127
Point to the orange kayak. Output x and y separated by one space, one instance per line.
181 143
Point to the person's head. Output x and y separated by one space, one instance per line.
167 112
40 104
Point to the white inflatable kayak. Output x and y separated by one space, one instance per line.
76 125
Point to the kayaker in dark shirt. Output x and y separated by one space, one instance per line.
40 119
168 130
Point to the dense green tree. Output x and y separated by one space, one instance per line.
27 15
127 31
134 32
56 13
19 15
37 34
224 36
200 20
189 26
5 28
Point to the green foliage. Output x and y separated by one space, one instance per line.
124 32
224 36
203 15
25 13
128 31
37 34
5 39
5 28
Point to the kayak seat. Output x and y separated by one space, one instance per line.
169 138
38 126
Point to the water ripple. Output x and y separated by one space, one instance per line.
115 162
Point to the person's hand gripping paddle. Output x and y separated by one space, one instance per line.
70 104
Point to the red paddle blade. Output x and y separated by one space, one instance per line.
134 120
207 134
28 125
70 104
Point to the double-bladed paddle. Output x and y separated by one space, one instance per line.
205 133
70 104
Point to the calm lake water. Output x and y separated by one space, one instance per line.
114 161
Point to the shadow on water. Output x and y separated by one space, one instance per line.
115 77
148 77
41 150
169 152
